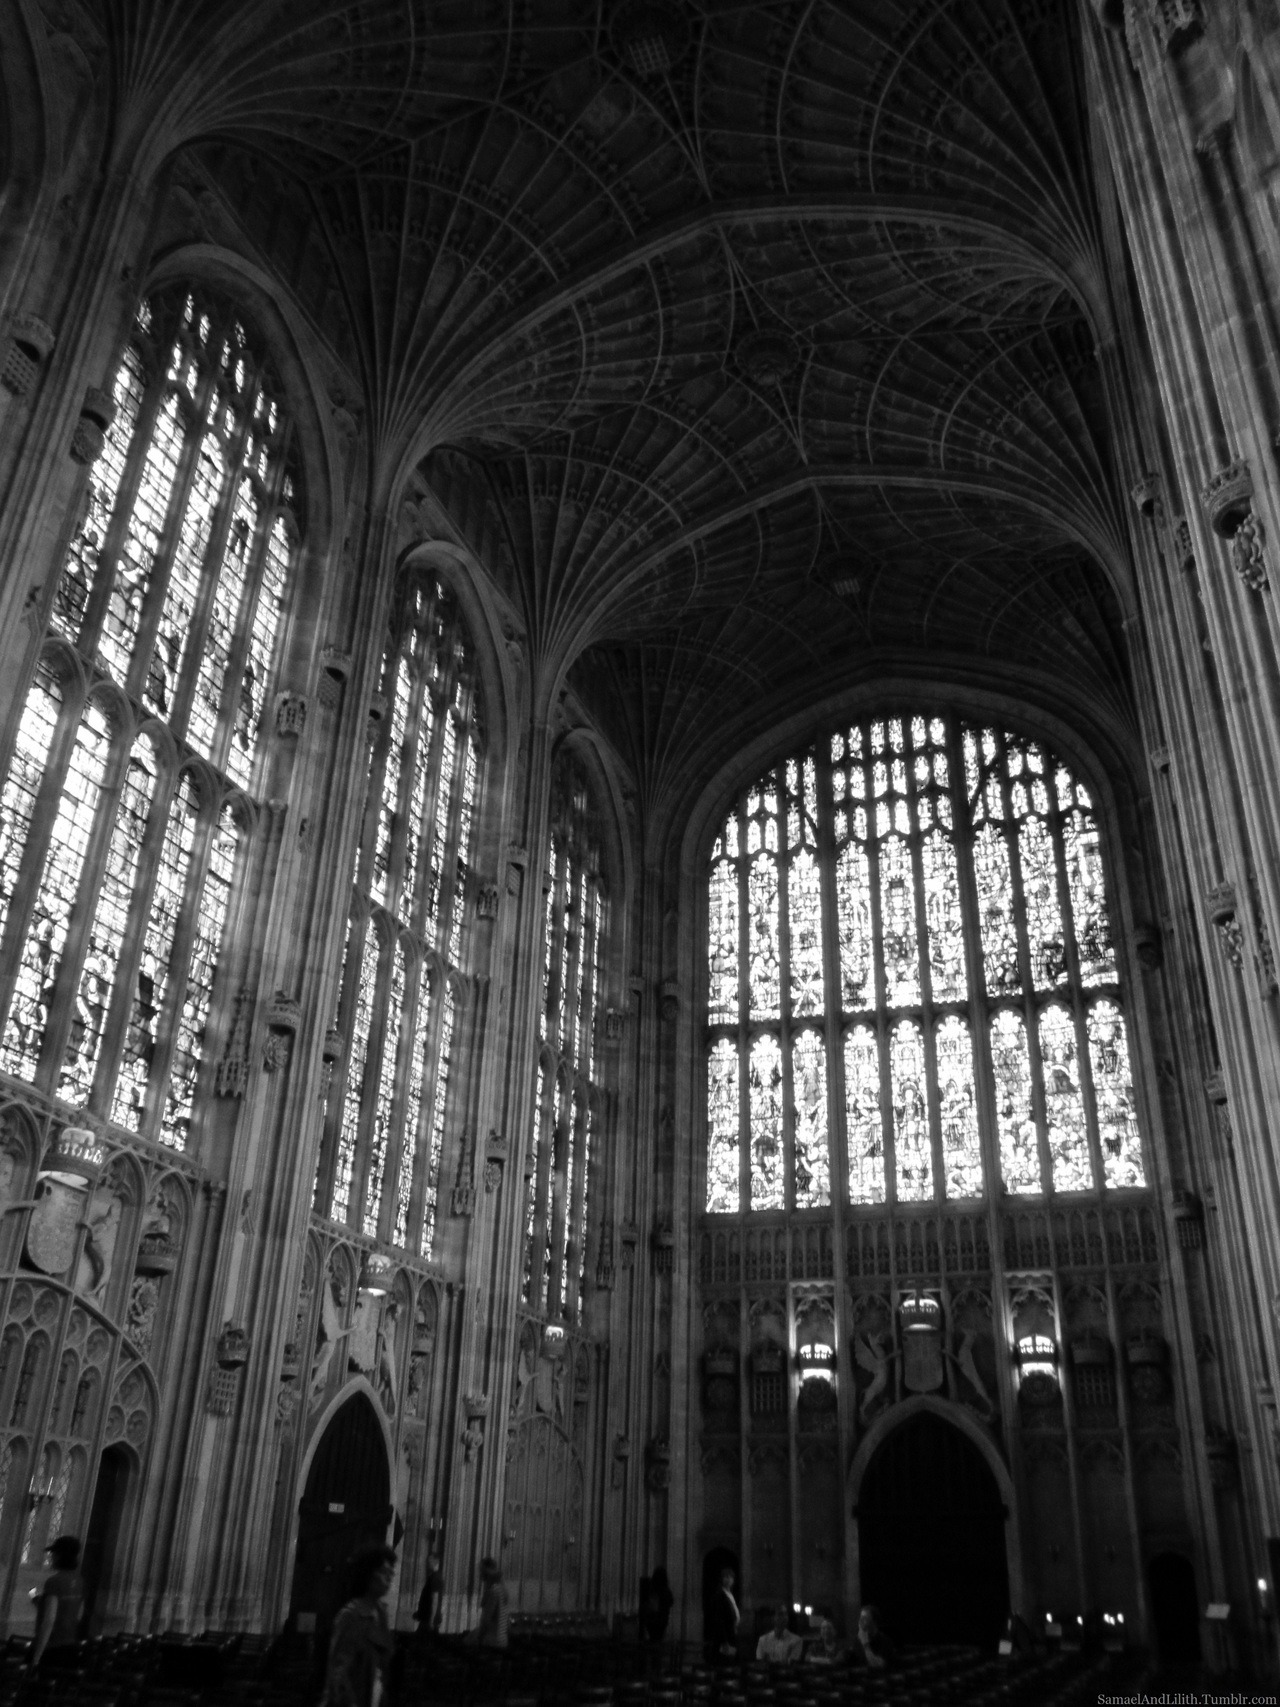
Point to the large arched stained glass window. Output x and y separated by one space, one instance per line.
380 1162
128 787
912 989
567 1102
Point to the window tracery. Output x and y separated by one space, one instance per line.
567 1095
380 1164
123 803
952 876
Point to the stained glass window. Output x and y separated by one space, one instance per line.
576 915
413 877
171 594
933 893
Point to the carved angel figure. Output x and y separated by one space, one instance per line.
328 1332
877 1361
963 1358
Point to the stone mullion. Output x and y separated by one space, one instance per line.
166 1026
428 929
420 1159
1030 1006
1080 998
575 1230
928 1012
742 866
369 1088
44 813
68 971
404 806
887 1135
194 417
95 609
238 652
557 1207
450 895
402 1046
115 1027
786 1030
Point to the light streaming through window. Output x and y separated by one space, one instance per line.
949 880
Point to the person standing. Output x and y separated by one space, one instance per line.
656 1601
60 1601
362 1644
491 1632
722 1619
431 1600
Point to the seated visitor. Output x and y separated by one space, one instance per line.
828 1650
779 1646
875 1647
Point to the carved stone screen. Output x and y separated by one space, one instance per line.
913 992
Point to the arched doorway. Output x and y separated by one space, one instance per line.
1175 1611
102 1533
931 1536
346 1505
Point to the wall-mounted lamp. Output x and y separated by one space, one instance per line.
375 1275
75 1158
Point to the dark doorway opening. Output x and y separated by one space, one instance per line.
1175 1611
714 1564
931 1537
346 1505
102 1533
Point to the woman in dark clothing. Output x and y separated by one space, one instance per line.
60 1602
656 1601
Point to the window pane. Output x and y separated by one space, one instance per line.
1085 885
1015 1121
357 1060
541 1115
863 1126
413 1109
105 475
384 1108
898 924
1064 1107
723 941
156 971
466 811
389 805
804 916
809 1094
142 541
440 828
942 915
444 1060
416 828
172 655
64 862
957 1105
762 937
211 918
1045 935
765 1110
30 755
853 892
259 663
1113 1093
106 934
995 910
723 1178
912 1146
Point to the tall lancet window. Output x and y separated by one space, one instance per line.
129 779
406 947
567 1103
912 988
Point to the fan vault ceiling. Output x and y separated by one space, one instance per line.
767 331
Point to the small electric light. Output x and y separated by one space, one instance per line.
1262 1585
808 1612
796 1607
1119 1617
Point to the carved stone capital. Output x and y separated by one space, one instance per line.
1228 498
284 1013
487 897
1146 494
